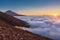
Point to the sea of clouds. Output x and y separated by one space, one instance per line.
43 25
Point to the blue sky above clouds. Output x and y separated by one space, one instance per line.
28 5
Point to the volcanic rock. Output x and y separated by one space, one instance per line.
12 20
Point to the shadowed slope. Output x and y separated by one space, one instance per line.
12 20
8 32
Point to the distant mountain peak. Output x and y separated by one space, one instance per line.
9 12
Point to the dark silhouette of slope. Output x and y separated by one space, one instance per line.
9 12
12 20
8 32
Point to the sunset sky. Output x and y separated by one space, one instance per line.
31 7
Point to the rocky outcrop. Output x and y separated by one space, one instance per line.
8 32
12 20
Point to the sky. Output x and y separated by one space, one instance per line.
31 7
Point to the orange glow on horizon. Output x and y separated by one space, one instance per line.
53 13
49 11
41 14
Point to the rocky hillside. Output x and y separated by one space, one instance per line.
12 20
8 32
